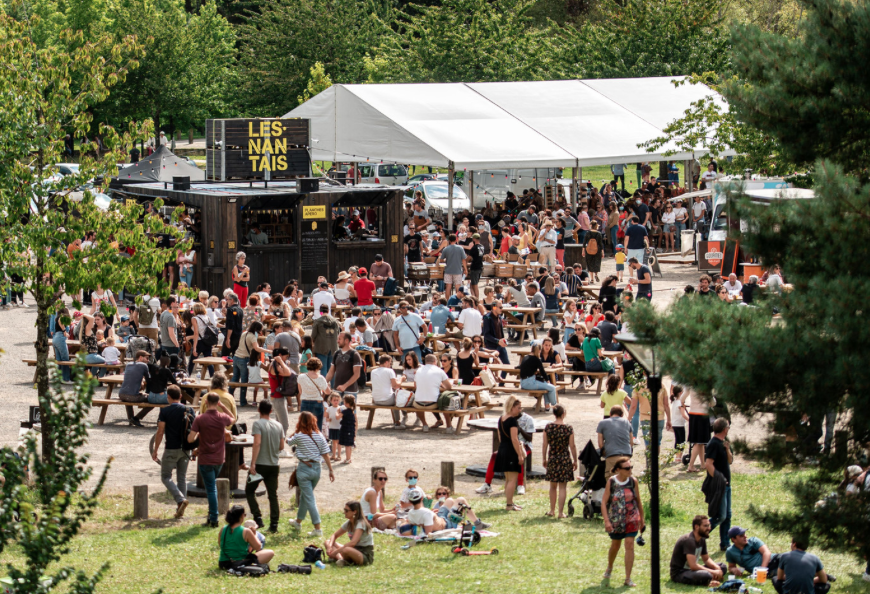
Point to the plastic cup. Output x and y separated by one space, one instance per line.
760 575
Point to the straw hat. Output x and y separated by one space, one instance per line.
343 275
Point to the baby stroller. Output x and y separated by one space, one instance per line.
593 483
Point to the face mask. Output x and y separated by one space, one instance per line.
638 201
412 481
621 209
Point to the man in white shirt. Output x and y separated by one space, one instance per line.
429 381
150 329
733 286
322 297
699 209
547 246
349 323
709 176
384 387
443 519
470 319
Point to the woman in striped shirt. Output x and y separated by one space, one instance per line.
311 446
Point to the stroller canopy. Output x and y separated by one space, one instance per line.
594 465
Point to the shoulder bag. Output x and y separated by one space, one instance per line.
293 482
424 350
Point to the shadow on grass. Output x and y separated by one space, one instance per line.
131 524
607 585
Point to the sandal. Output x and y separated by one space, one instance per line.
513 507
550 514
607 574
629 583
562 516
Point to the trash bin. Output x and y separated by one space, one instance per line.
687 241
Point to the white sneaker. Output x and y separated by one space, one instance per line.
451 430
484 489
24 304
521 490
425 428
316 533
295 525
866 577
284 454
636 441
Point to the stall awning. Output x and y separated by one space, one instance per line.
498 125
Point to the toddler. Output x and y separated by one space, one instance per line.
333 419
348 426
620 261
126 329
111 354
256 530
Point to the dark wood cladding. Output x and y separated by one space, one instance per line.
236 132
276 265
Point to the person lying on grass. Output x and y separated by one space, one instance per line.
360 550
446 517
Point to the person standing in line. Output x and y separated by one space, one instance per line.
475 269
210 428
455 265
171 423
622 511
560 459
719 459
168 330
268 442
233 326
324 335
311 447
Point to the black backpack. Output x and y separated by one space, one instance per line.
189 418
390 287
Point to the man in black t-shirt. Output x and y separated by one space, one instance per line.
690 561
413 243
233 326
644 279
171 423
718 458
475 268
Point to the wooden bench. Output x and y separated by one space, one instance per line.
101 402
538 395
599 375
74 363
459 414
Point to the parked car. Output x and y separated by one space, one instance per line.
67 168
385 174
420 177
435 194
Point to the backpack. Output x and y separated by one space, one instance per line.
210 335
189 418
146 315
288 385
141 343
592 247
390 287
362 380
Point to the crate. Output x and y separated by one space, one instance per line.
520 270
488 269
504 270
436 272
418 271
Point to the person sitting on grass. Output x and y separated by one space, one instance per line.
430 521
745 553
239 545
360 550
443 500
800 572
690 562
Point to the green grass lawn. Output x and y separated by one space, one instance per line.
536 554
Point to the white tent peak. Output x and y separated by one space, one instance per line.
559 123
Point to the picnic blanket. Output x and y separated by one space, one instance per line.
450 532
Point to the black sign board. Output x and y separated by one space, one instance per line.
35 415
315 250
262 149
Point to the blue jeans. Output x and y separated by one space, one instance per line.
635 420
187 277
327 363
569 332
209 474
240 374
307 479
554 315
61 353
94 358
316 409
415 349
532 383
646 428
678 235
723 518
613 238
157 398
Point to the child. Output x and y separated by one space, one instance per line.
111 354
333 418
125 330
620 261
679 416
568 318
348 426
256 530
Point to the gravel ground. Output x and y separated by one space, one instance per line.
397 450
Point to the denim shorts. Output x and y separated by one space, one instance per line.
444 513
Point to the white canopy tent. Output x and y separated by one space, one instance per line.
567 123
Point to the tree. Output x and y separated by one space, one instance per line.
467 41
808 92
712 123
187 72
281 41
318 83
41 505
46 92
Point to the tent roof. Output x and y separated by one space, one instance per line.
161 166
497 125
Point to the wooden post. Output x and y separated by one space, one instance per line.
447 475
451 170
190 136
223 493
140 502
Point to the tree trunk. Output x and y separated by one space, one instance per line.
156 127
42 384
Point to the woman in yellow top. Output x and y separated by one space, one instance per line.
613 396
640 397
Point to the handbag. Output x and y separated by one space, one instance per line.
606 364
404 398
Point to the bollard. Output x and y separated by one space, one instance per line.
140 502
223 493
447 475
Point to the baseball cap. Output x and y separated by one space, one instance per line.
620 247
854 471
362 272
475 236
736 531
127 318
356 212
415 495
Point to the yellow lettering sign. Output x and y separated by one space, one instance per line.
231 245
254 145
314 212
277 129
264 128
280 144
251 130
282 163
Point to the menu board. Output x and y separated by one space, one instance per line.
315 250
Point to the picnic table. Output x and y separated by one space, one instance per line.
491 424
522 319
205 362
110 381
338 311
230 470
74 346
468 392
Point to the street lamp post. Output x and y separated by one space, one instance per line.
643 350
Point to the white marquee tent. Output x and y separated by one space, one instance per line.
567 123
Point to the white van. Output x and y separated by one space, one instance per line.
493 184
719 224
385 174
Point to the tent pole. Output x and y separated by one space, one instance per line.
575 198
688 164
450 171
470 182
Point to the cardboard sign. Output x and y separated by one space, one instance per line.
314 212
710 255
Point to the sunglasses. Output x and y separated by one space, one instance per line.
382 478
347 511
377 313
477 342
625 467
445 360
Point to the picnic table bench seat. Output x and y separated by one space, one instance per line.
73 363
599 375
538 395
459 414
